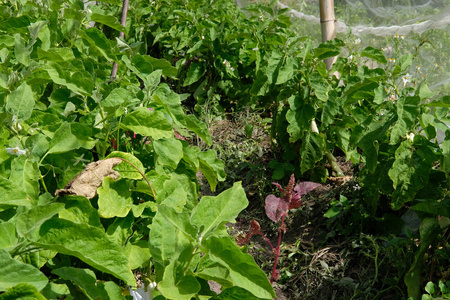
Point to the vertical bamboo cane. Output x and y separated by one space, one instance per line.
123 22
327 22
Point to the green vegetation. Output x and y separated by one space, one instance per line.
100 174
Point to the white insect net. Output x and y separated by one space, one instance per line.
422 25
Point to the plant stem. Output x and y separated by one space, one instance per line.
277 253
267 240
123 22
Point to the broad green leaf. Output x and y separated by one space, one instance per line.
138 254
199 128
148 123
127 168
367 138
195 72
12 195
211 167
177 283
71 136
117 97
21 102
330 109
164 65
444 101
22 51
168 152
114 198
171 102
408 110
244 272
80 82
213 211
86 280
22 291
8 235
182 221
121 230
235 293
78 209
25 175
13 272
142 66
312 150
423 91
375 54
87 243
98 40
56 54
33 218
299 117
325 50
429 230
108 20
410 171
212 270
286 71
166 243
319 85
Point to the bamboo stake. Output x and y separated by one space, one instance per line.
123 22
327 22
328 26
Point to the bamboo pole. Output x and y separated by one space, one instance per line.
123 22
328 26
327 23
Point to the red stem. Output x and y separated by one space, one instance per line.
267 240
277 253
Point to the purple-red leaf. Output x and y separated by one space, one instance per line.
276 207
305 187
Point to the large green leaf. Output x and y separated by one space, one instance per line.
108 20
169 152
199 128
319 85
13 272
299 117
213 211
166 243
80 81
98 40
88 243
211 167
127 168
8 235
78 209
138 254
408 110
375 54
410 171
21 102
148 123
196 71
164 65
33 218
312 150
22 291
11 194
244 272
171 102
114 198
177 283
209 269
71 136
86 280
182 221
25 175
235 293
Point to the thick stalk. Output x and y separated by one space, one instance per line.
123 22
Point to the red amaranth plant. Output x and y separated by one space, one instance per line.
276 209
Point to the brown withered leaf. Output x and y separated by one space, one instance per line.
86 183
